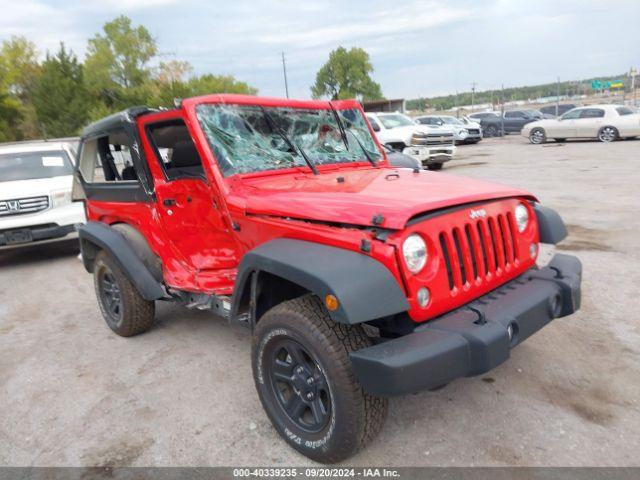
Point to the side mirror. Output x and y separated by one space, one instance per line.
375 127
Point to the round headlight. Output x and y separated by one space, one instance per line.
522 217
414 251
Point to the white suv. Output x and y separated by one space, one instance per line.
35 193
429 145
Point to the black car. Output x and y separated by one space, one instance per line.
562 109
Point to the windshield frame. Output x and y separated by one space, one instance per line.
191 104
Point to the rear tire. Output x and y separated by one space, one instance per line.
491 131
303 375
435 166
122 307
608 134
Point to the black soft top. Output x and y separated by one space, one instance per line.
115 120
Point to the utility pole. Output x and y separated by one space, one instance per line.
473 93
633 73
284 71
557 96
502 110
457 108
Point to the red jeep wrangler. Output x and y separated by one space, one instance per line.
359 281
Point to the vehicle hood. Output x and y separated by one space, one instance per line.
438 128
34 187
472 125
396 194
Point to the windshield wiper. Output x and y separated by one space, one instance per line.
275 128
364 150
343 133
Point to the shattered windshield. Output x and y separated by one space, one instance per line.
249 138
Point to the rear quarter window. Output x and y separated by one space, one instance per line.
624 111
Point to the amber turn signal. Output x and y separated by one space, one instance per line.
331 302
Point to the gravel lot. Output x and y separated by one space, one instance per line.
73 393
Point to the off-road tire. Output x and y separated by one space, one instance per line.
537 136
435 166
608 134
355 417
137 314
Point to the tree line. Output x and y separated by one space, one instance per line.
496 97
57 96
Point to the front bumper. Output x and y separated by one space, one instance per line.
475 338
428 155
22 237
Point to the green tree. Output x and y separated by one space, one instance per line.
209 83
117 64
346 75
19 72
60 98
170 84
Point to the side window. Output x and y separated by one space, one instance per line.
592 113
624 111
374 124
175 150
510 115
108 159
572 114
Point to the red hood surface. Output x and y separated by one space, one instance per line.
396 194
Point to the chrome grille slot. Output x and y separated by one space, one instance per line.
20 206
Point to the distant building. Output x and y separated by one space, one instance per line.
393 105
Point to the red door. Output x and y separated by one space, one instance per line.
203 249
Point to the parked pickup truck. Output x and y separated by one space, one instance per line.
35 193
432 146
359 281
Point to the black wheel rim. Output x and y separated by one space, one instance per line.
299 386
110 295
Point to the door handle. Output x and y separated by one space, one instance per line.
169 202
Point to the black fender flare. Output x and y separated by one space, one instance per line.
95 236
365 289
551 228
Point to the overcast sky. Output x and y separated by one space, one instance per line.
418 48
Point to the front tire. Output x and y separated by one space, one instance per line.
608 134
537 136
303 375
121 305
